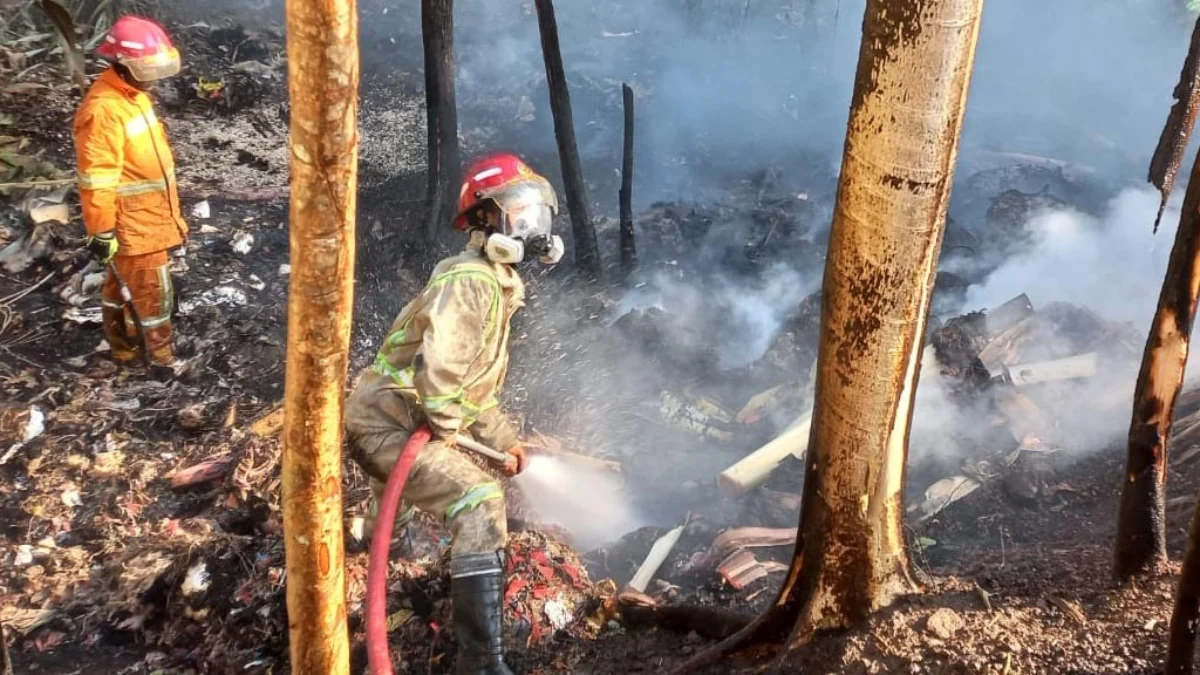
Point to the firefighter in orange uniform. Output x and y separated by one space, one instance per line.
128 190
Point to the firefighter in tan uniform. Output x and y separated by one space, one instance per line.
442 364
127 187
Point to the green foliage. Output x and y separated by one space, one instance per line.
28 25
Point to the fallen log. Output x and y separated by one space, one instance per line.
753 469
640 611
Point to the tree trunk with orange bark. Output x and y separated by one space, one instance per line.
1142 521
322 45
905 117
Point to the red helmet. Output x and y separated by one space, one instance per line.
504 179
142 46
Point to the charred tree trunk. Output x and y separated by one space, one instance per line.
905 117
322 42
587 252
628 246
437 32
1181 646
1172 143
1141 526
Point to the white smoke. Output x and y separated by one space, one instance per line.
1112 265
747 313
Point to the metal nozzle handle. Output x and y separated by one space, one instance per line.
471 444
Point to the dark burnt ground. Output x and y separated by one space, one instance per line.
111 545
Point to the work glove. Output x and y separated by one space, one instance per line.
103 247
517 461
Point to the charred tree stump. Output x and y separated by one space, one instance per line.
587 252
906 114
628 246
322 43
1141 527
437 32
1181 645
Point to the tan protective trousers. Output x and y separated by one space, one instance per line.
445 483
149 279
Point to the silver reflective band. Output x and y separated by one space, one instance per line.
475 564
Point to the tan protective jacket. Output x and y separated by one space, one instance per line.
444 360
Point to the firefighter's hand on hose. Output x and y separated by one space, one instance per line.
103 247
516 462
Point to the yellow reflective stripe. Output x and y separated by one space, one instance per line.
168 290
494 310
141 187
439 403
395 339
140 124
164 301
404 378
473 498
99 180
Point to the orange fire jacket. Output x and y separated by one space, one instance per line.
126 169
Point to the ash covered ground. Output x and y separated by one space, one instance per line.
142 523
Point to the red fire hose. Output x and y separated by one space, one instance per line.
379 658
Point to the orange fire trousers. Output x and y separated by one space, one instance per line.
149 279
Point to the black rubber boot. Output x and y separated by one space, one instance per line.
477 588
